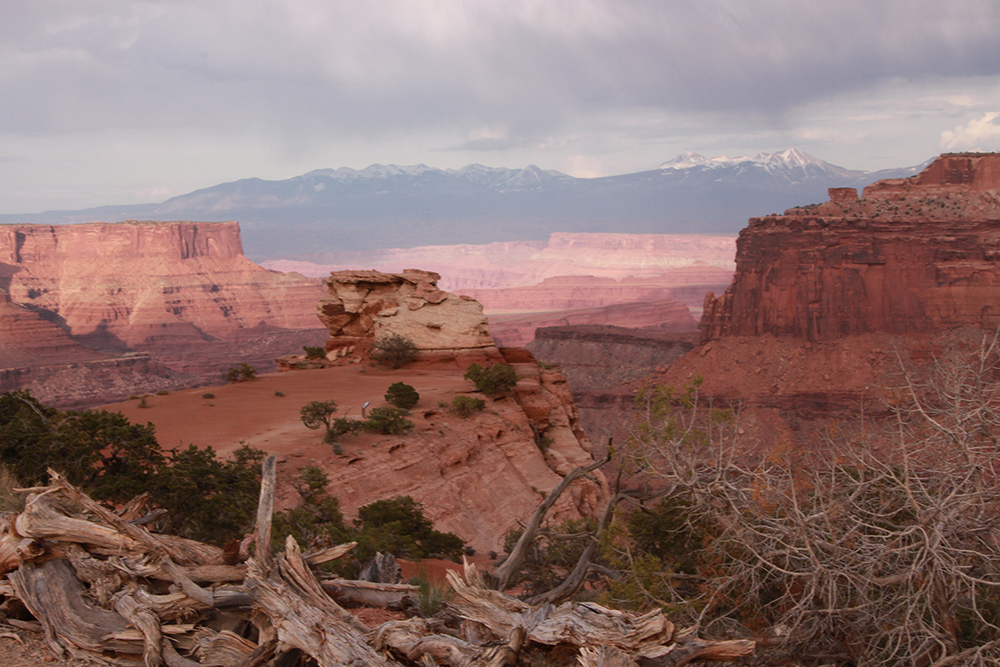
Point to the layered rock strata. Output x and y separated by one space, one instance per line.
909 256
687 285
361 307
182 291
662 315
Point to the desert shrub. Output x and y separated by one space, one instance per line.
317 414
493 380
243 373
394 350
387 421
207 498
402 395
114 460
465 406
279 393
317 352
342 426
431 596
398 526
208 394
142 403
163 392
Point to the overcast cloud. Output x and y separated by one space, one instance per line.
121 101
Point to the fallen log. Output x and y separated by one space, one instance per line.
100 592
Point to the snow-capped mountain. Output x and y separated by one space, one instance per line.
794 165
385 206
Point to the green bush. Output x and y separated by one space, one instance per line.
394 350
343 426
400 527
314 352
402 395
113 460
496 379
243 373
464 406
315 414
387 421
208 394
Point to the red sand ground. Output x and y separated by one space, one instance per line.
251 412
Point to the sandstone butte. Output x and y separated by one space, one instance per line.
180 291
823 293
477 477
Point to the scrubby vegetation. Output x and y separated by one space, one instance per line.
466 406
394 350
396 526
402 395
492 380
242 373
114 460
318 352
387 421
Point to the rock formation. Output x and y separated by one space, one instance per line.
909 256
364 306
826 296
181 291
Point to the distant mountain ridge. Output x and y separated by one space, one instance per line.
391 206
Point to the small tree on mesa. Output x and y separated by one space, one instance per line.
318 413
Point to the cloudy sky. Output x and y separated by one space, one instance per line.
128 101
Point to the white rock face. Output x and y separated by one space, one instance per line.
364 306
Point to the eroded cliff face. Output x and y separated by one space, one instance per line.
363 306
181 291
909 256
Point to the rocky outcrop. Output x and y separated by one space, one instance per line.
181 291
363 306
909 256
664 315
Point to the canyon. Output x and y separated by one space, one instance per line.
477 476
525 263
176 302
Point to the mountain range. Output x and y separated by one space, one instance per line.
389 206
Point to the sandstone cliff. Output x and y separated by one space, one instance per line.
181 291
909 256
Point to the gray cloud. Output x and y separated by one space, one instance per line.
296 73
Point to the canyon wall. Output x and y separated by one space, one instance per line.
180 291
909 256
523 263
687 285
660 315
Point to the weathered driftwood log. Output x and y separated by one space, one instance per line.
294 602
54 596
368 594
